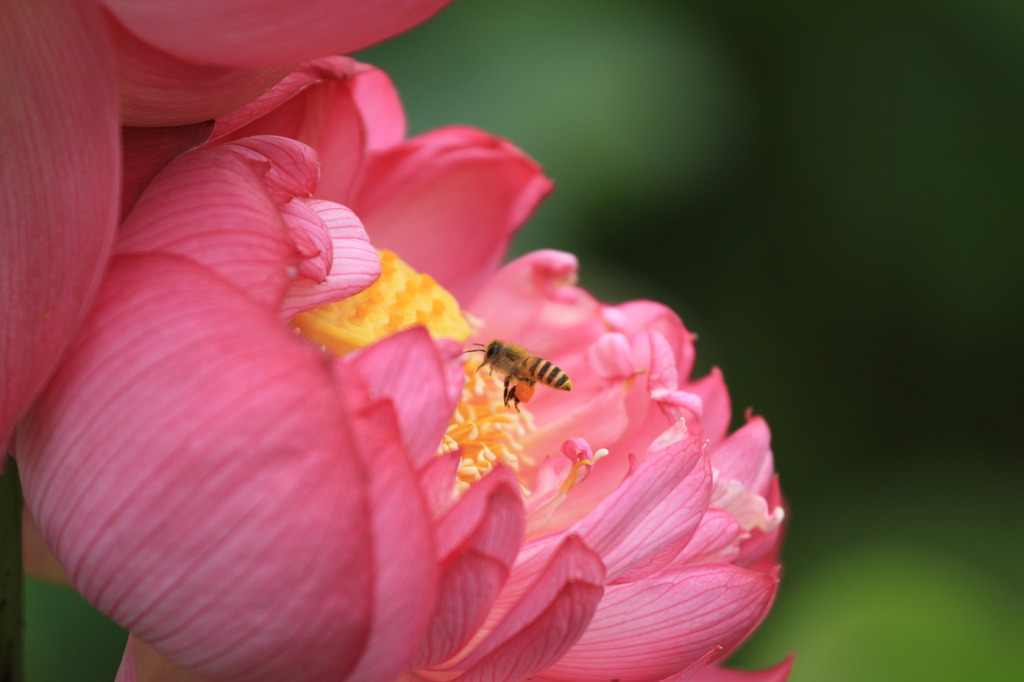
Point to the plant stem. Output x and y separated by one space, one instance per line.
11 596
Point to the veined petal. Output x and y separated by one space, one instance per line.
141 663
555 478
760 552
450 201
405 580
749 509
192 469
436 478
534 301
147 151
235 124
746 456
654 402
544 640
778 673
410 371
158 89
654 507
266 32
478 540
689 672
60 173
649 316
717 407
717 539
669 621
597 416
222 208
346 264
611 356
343 109
546 619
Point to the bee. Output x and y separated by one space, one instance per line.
522 371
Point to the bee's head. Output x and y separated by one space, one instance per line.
490 351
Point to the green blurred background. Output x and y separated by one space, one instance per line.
830 194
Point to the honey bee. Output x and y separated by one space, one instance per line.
522 371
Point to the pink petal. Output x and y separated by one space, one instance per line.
60 171
652 628
192 469
717 539
778 673
223 208
664 371
654 402
546 621
478 541
410 371
449 201
649 316
265 32
688 673
597 409
147 151
554 479
761 551
664 389
749 509
746 456
533 302
346 264
340 107
142 663
612 357
716 413
159 89
595 417
276 112
645 405
656 506
405 580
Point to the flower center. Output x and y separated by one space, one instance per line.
482 429
400 299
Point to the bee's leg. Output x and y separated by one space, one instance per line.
508 393
514 397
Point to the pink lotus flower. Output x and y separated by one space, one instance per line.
66 68
255 506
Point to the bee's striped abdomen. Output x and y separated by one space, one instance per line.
547 373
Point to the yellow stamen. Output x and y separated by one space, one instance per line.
482 429
400 299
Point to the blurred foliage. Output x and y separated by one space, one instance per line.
66 639
829 194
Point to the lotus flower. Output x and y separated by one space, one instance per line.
267 455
